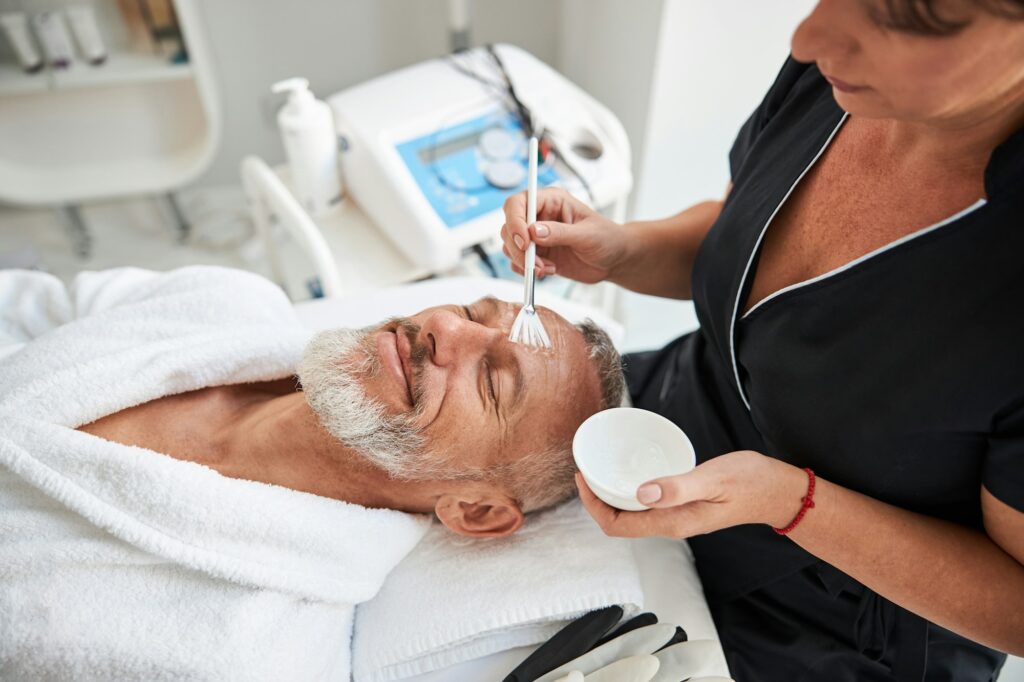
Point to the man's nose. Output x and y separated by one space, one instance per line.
450 337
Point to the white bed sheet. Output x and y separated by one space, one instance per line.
671 587
671 590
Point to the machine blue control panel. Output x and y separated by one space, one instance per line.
469 169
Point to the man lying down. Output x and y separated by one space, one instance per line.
174 503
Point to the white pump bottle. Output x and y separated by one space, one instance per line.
311 145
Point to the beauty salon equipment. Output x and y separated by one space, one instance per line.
430 152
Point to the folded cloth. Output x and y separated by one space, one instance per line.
118 562
452 600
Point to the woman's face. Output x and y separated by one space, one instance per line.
880 71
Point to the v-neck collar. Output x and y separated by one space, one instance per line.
1005 161
757 248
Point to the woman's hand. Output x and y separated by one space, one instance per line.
730 490
572 239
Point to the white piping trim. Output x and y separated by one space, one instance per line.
857 261
757 245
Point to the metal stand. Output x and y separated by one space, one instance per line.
77 230
182 227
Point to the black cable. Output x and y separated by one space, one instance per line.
474 75
523 113
525 116
526 119
485 258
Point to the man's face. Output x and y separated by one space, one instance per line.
449 388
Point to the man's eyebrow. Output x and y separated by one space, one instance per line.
493 305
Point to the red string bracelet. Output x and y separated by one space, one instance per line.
806 502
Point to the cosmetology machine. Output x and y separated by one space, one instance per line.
430 152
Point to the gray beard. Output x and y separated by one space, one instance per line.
333 367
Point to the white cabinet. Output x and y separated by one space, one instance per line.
134 125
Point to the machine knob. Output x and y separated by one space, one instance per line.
505 174
499 144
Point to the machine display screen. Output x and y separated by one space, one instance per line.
450 171
432 153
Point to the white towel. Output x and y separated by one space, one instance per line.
117 562
452 600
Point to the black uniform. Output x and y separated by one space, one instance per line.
900 375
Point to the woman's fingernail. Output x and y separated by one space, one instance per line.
518 240
549 269
542 230
649 492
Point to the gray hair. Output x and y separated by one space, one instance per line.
335 393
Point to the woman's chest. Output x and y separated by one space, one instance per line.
850 203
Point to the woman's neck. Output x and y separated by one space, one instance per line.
964 142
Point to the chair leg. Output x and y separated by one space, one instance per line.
77 230
182 227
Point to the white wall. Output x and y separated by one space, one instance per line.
715 61
337 43
609 48
682 76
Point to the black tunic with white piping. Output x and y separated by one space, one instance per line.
899 375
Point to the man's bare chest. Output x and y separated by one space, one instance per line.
177 425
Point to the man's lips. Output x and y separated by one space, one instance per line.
387 350
843 86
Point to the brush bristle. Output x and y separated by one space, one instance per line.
529 330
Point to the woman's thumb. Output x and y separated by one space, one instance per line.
548 233
672 491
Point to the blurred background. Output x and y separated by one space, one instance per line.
102 165
124 123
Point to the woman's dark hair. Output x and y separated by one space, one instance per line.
925 17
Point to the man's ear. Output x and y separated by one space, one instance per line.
479 515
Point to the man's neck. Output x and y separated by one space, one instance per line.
277 439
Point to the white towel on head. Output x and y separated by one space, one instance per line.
452 599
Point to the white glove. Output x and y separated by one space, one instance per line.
688 659
640 641
629 669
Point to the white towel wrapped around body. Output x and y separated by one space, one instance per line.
118 562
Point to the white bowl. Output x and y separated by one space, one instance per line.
620 449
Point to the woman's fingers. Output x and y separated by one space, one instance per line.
515 219
553 204
550 233
676 522
672 491
547 271
601 512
